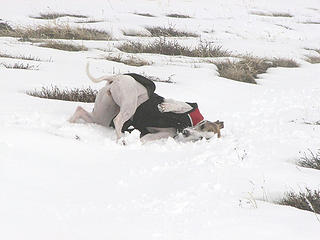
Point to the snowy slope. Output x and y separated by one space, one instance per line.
53 186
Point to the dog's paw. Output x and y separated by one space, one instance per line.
122 142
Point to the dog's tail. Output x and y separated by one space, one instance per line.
96 80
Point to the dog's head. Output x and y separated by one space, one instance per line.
207 126
205 129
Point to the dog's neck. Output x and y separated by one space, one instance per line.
195 117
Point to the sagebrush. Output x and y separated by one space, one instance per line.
307 200
87 95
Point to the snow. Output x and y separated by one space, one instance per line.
73 181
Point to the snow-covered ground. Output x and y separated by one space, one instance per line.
53 186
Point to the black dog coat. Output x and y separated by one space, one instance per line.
148 114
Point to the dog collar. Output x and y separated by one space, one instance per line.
195 117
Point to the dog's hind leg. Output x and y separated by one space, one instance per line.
80 113
125 94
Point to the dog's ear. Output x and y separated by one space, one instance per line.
220 124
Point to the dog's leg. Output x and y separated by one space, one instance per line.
161 133
80 113
125 94
170 105
105 108
218 132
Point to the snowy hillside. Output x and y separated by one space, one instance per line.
73 181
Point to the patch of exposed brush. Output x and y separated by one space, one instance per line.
87 95
313 59
50 16
308 200
311 22
63 46
4 27
310 160
313 49
248 68
144 14
283 62
89 21
274 14
175 15
57 32
169 32
24 66
22 57
132 61
157 79
172 48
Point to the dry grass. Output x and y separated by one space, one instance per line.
57 32
4 27
132 61
90 21
248 69
157 79
175 15
22 57
284 26
313 59
76 95
313 49
23 66
311 22
308 200
274 14
50 16
144 14
310 160
63 46
283 62
169 32
172 48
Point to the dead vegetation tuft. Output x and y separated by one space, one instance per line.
50 16
157 79
22 57
283 62
313 59
310 160
248 68
89 21
57 32
144 14
311 22
87 95
172 48
308 200
24 66
4 27
132 61
274 14
175 15
169 32
63 46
